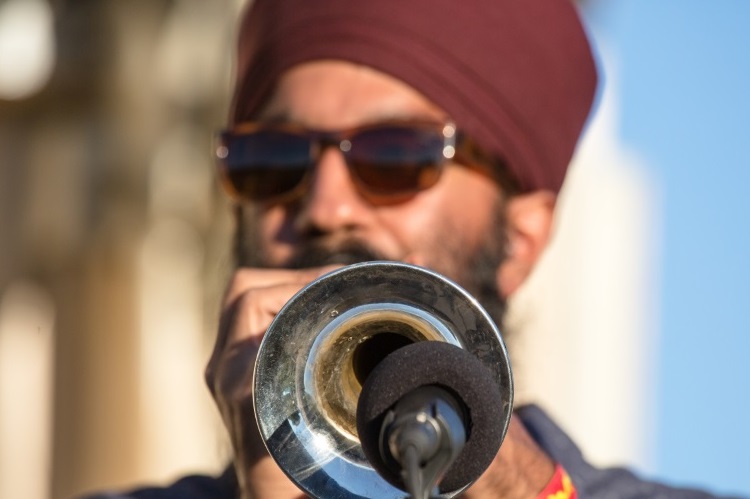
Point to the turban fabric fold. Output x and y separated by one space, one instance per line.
517 76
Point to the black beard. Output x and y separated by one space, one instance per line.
478 277
482 283
316 254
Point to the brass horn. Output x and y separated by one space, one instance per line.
319 349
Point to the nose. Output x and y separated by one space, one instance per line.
332 203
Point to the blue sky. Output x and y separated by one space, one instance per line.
684 85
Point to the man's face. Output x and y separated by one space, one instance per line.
455 227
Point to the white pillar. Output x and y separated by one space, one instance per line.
26 393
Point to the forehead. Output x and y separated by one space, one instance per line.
339 94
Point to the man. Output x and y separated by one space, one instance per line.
341 149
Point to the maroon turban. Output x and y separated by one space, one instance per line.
515 75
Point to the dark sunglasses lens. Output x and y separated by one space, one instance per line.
266 163
397 160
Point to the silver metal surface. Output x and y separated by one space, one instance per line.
305 385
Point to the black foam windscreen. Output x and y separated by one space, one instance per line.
450 367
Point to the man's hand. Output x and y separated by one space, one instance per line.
252 300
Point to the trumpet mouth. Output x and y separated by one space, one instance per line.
352 345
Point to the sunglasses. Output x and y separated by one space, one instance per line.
388 162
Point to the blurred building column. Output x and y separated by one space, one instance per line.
87 211
27 342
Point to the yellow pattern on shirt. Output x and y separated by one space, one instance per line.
567 491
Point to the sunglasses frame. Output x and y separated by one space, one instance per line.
456 148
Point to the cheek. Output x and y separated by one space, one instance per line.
446 225
472 204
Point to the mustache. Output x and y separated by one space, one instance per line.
319 253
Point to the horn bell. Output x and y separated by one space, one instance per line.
320 348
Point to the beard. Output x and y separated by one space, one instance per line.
476 272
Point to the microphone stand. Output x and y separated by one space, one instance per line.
422 436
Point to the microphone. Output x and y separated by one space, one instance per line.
430 418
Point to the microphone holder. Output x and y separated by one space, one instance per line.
421 436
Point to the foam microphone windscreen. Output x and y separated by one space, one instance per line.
450 367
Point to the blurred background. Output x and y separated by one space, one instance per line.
114 246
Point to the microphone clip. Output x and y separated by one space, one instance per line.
421 436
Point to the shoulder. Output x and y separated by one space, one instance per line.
590 481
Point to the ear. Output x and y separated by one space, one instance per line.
529 225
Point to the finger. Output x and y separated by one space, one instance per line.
257 308
254 297
247 319
250 278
